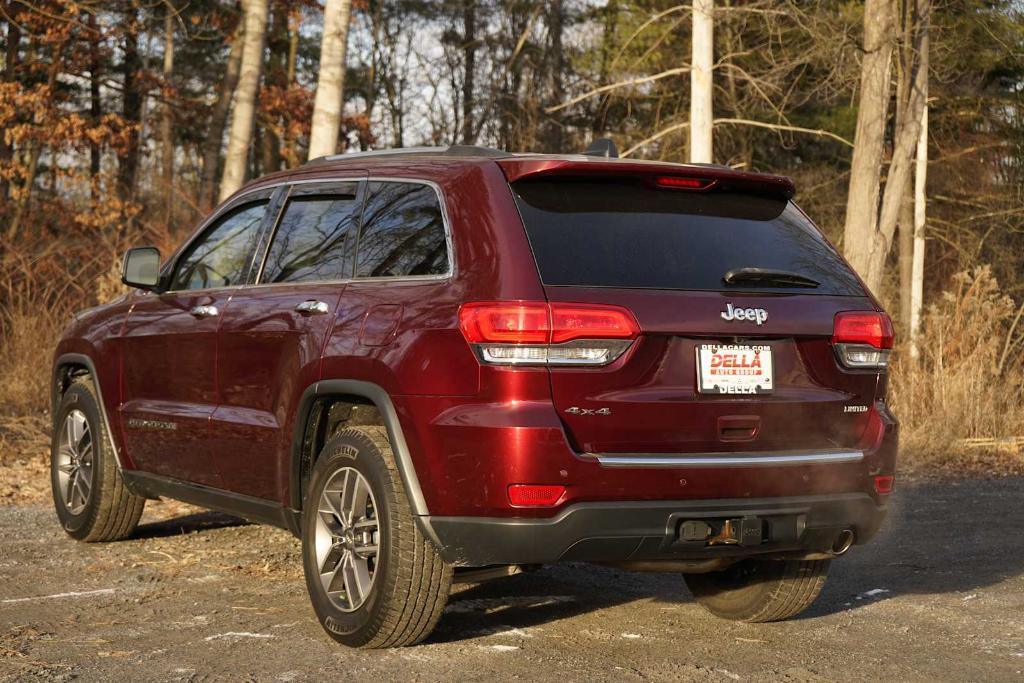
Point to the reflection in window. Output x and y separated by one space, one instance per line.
311 242
220 258
403 232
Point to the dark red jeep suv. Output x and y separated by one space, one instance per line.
438 365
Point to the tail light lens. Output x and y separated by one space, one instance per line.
542 333
862 339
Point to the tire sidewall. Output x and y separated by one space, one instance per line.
78 397
350 450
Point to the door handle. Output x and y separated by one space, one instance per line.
313 307
205 311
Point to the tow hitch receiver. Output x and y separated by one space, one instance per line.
744 531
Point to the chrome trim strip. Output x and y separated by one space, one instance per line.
726 459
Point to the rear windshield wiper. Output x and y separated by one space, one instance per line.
779 278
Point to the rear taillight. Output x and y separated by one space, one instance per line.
862 339
541 333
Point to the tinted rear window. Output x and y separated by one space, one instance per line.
627 234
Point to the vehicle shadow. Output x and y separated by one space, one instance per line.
187 524
940 538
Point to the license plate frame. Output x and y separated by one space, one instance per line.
735 369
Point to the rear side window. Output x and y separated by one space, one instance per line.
315 237
403 232
627 234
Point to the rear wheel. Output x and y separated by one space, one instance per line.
760 590
89 494
373 578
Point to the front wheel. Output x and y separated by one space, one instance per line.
89 494
373 578
760 590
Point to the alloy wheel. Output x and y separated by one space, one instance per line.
75 458
348 539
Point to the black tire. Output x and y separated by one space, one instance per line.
111 512
760 590
411 582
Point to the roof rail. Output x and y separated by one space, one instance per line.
450 151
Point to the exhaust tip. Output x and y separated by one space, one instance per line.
843 542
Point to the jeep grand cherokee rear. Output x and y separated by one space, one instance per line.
452 364
716 379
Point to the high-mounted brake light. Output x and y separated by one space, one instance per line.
535 495
862 339
680 183
541 333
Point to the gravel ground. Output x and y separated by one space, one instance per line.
200 596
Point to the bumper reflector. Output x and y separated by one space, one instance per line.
884 483
535 495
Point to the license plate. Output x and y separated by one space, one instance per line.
734 369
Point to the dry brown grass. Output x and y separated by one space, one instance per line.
961 401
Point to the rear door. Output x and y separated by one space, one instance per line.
270 342
170 348
662 252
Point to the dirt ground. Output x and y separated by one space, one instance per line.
199 596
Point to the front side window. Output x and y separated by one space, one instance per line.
403 232
220 258
313 241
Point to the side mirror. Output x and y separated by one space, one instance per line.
141 268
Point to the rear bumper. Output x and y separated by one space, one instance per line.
650 531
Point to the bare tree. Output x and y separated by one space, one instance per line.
330 87
167 120
920 213
869 139
219 119
701 112
244 113
469 46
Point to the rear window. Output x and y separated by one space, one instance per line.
628 234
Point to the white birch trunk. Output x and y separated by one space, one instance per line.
701 113
920 216
330 86
869 139
243 114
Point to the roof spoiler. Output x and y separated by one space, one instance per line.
602 147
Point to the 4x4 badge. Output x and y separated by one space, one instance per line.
588 411
754 315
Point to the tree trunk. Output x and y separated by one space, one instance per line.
244 113
701 113
869 139
330 87
219 119
903 152
277 76
167 120
469 56
291 158
95 104
9 75
920 215
555 139
131 103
